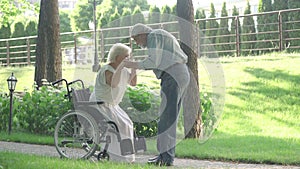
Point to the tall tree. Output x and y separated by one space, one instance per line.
154 16
81 15
10 9
212 25
137 16
200 14
103 12
48 51
114 21
18 30
264 26
31 30
235 29
167 17
65 26
130 4
126 21
294 27
174 10
283 18
5 34
248 33
192 112
223 33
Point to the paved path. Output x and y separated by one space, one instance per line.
179 163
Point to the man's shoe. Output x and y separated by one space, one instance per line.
166 164
155 161
153 158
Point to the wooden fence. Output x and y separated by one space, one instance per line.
79 47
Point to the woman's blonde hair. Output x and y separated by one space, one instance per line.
116 50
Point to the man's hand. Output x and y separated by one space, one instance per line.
130 64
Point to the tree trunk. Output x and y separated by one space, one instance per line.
191 103
48 52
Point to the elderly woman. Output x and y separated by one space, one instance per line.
111 82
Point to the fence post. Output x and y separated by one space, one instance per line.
7 53
75 48
28 51
280 31
237 34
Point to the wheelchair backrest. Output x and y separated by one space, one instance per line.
80 95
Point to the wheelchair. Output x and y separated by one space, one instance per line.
78 134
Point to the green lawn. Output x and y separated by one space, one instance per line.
261 118
10 160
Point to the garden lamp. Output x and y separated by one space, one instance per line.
11 81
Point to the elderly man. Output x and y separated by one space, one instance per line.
168 63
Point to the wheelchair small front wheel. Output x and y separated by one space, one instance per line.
103 156
76 135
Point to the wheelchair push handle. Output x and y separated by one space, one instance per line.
58 81
75 81
68 84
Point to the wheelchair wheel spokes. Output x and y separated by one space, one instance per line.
76 135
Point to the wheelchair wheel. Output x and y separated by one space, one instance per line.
76 135
103 156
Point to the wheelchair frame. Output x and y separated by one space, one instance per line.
78 134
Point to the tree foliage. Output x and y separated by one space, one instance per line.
248 33
167 17
223 33
81 15
5 33
10 10
264 24
294 27
235 29
137 16
31 28
143 4
200 14
282 5
166 12
18 30
212 25
106 9
154 15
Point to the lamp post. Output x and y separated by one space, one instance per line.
11 82
96 59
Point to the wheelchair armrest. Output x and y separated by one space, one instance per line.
89 103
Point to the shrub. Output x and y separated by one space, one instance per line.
39 111
209 117
141 103
4 111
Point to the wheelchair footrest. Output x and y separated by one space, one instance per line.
140 144
126 147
